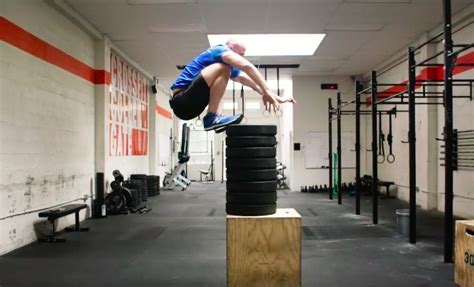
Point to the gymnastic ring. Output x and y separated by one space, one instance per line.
380 158
390 158
266 113
198 122
279 113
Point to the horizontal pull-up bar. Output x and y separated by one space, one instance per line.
390 97
430 65
347 103
278 66
364 90
439 34
406 103
438 81
428 59
466 47
442 84
385 84
364 113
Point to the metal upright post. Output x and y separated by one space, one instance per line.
357 146
448 134
412 141
375 211
339 151
330 146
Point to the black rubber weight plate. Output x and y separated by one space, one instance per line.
251 186
251 198
250 163
250 141
251 130
250 210
251 152
251 174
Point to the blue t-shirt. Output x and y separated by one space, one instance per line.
206 58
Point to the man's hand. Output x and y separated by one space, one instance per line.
285 99
270 102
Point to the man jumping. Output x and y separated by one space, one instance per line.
204 80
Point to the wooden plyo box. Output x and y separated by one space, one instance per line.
264 251
464 254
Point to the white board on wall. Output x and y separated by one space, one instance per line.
316 149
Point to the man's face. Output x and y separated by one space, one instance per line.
238 49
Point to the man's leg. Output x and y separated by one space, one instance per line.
216 76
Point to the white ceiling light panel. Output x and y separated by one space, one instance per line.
273 44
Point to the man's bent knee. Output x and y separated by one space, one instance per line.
215 70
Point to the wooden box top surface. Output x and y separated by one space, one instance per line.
469 223
280 213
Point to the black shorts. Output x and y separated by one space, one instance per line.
191 102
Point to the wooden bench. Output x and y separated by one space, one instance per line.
367 179
53 214
387 185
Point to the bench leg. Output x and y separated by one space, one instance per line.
387 195
51 238
76 227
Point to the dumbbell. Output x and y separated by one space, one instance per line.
316 188
118 175
115 185
302 189
351 186
325 188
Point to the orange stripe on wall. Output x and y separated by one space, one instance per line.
427 74
29 43
164 112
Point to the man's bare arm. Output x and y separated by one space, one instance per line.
245 80
235 60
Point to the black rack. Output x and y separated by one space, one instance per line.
411 98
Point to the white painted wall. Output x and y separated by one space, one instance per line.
54 126
46 124
310 114
163 127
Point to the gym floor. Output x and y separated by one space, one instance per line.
181 242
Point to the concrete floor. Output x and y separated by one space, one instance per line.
182 243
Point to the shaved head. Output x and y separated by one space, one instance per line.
237 46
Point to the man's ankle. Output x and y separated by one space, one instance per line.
210 114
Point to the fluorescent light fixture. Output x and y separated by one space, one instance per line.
273 44
252 105
228 105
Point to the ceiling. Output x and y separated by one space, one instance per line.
360 34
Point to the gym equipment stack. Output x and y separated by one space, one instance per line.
251 170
